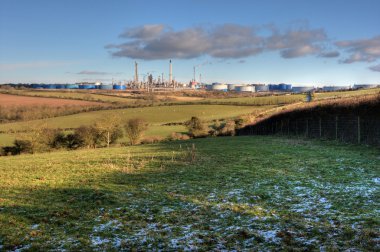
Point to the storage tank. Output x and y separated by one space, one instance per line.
51 86
119 87
282 87
335 88
106 87
219 87
232 87
245 89
302 89
358 86
273 87
87 86
37 86
262 88
288 87
60 86
72 86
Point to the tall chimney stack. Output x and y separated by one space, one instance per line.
136 73
170 72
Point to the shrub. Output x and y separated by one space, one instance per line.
85 136
178 136
228 129
196 127
152 139
134 129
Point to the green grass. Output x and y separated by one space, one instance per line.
154 115
6 139
344 94
258 100
239 193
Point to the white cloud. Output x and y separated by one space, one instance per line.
365 50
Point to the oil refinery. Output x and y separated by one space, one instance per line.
149 83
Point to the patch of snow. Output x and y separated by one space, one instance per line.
376 180
166 209
96 240
270 236
22 248
35 226
113 224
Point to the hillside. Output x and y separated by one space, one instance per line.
223 193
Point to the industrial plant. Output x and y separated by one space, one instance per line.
149 83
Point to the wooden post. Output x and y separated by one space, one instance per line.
336 128
320 127
296 127
359 129
307 127
288 127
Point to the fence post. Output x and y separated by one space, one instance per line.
296 127
336 127
307 127
320 127
288 127
359 129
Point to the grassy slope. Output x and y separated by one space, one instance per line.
154 115
240 193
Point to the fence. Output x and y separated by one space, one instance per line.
362 129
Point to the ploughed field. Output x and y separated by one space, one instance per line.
243 193
7 100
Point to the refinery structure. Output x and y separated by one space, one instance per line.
149 83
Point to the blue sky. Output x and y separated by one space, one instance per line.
300 42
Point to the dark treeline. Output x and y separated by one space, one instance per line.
355 120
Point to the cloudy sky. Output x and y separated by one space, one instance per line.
334 42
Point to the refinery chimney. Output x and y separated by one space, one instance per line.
170 72
136 73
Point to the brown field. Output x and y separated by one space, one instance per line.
16 100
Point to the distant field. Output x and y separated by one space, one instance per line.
344 94
154 115
259 100
88 96
16 100
239 193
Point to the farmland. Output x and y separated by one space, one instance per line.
233 193
15 100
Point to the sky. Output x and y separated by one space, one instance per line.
308 42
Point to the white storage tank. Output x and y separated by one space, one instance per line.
232 87
219 87
245 89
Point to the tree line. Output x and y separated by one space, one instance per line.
107 131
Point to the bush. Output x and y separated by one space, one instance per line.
178 136
85 136
23 146
196 127
135 128
152 139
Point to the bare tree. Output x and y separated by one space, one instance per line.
135 128
109 128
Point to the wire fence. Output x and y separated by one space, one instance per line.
361 129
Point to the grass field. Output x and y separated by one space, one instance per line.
17 100
238 193
88 96
154 115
